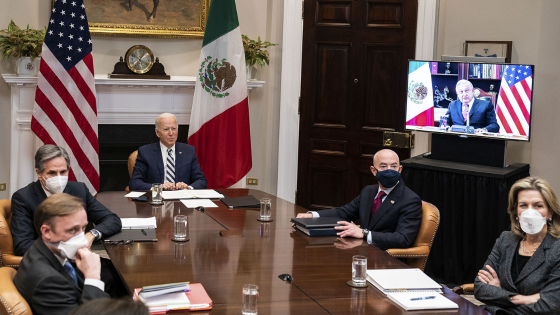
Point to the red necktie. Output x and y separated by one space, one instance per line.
377 202
465 111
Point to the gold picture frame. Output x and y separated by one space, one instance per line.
174 19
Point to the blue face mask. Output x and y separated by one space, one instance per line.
388 178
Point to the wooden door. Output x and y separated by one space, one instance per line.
354 77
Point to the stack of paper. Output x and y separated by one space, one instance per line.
410 288
139 223
191 193
421 301
397 280
194 300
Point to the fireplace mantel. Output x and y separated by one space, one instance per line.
119 101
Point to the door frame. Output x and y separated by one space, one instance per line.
288 139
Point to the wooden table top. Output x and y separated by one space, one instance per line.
230 247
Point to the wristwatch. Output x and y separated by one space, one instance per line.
366 233
96 233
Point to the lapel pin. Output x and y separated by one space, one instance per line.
180 152
392 201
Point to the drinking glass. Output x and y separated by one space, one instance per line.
359 270
265 209
250 299
180 227
156 194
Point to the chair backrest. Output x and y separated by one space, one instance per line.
417 254
131 162
11 302
428 227
7 257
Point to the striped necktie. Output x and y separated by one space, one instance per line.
465 111
170 167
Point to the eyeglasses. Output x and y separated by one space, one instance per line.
120 242
384 167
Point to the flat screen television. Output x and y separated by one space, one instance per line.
488 100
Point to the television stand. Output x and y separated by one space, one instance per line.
469 149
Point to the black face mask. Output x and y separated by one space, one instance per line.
388 178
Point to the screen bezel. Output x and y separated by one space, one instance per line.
423 129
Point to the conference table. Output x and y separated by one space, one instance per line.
228 248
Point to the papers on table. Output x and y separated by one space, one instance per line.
139 223
193 203
395 280
134 194
191 193
194 300
421 301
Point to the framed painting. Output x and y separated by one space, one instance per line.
489 49
154 18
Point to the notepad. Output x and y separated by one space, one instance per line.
139 223
195 300
398 280
405 300
191 193
193 203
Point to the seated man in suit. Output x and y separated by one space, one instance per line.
46 278
52 165
169 162
390 213
468 111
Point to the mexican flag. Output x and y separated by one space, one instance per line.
420 100
219 126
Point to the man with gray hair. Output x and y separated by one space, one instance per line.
169 162
52 165
468 111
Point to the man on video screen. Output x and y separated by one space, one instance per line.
468 111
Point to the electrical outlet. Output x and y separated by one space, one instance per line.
252 181
2 186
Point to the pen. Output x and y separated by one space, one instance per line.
423 298
144 232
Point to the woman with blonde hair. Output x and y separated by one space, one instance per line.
522 273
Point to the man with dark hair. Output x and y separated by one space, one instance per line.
169 162
46 278
52 165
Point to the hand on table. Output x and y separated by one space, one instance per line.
181 185
304 215
349 229
168 186
526 299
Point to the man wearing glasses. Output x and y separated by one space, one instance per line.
390 213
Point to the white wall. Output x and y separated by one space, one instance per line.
533 27
180 57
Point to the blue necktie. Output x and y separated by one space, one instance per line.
170 167
68 267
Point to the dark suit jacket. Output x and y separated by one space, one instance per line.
481 115
26 200
47 287
541 275
149 167
396 222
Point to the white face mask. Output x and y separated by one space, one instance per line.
531 221
69 248
56 184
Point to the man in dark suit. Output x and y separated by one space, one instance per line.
468 111
46 278
52 166
169 162
390 213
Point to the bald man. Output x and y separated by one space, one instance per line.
390 213
167 162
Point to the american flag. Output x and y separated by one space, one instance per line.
65 110
514 100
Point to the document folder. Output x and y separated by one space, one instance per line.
322 226
137 235
241 202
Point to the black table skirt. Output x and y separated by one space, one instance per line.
472 201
